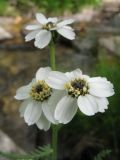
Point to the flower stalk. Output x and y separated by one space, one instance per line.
54 127
52 55
54 141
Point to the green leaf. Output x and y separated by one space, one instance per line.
39 154
102 154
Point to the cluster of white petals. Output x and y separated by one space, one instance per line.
54 97
81 91
34 110
42 32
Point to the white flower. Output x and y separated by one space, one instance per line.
39 101
42 32
89 94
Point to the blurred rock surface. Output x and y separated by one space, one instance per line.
5 35
7 144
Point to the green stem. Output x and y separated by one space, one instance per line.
54 128
52 55
54 141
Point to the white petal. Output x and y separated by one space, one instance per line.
66 32
97 79
49 106
43 123
30 36
53 19
100 87
23 92
74 74
101 92
41 18
33 27
68 27
66 109
33 112
56 80
42 73
42 39
102 104
100 82
65 22
23 107
87 105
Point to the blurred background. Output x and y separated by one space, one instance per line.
96 51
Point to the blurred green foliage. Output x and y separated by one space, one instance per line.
59 7
47 6
3 6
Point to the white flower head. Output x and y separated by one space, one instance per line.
40 100
42 32
89 94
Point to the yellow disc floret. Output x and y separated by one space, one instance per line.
77 87
49 26
40 91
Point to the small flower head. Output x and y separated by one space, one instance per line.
39 100
42 32
89 94
40 91
77 87
49 26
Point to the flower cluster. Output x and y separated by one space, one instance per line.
54 97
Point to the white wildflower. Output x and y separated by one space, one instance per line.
42 32
89 94
39 101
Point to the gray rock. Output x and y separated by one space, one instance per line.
87 45
5 34
112 44
116 20
7 144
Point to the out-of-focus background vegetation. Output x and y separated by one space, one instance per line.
96 51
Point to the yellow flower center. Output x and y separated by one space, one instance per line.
49 26
40 91
77 87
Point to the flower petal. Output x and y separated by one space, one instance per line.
100 87
33 112
42 73
102 103
33 27
56 80
43 123
23 107
53 19
74 74
30 36
41 18
87 105
100 82
66 32
101 92
42 39
23 92
66 109
49 106
65 22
